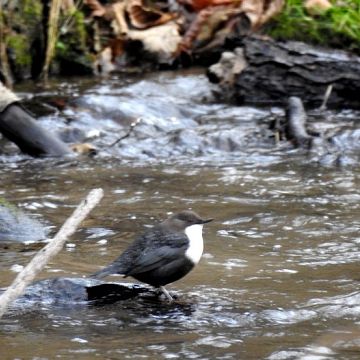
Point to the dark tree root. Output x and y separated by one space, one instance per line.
295 127
18 126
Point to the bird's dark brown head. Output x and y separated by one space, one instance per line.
183 219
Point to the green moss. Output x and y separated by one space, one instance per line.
72 33
32 9
79 20
27 16
19 44
71 48
25 21
337 26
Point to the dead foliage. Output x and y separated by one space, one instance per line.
166 31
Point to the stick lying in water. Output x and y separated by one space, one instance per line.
43 256
131 129
296 123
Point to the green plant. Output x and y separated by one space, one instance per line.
19 44
337 26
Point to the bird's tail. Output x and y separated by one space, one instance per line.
108 270
103 272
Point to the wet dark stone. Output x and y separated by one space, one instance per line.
72 135
15 225
72 291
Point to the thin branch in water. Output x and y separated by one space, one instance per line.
326 97
131 129
38 262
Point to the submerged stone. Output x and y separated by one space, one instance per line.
17 226
72 291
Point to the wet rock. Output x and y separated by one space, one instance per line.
72 291
15 225
228 140
72 135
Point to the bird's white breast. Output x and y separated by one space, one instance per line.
196 243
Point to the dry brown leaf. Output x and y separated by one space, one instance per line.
215 21
97 9
143 17
119 23
260 11
198 5
205 24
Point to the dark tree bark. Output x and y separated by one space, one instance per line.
22 129
274 71
296 123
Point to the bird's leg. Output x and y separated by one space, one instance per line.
166 293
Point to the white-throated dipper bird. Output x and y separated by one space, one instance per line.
164 253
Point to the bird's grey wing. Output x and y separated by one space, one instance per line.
129 262
154 259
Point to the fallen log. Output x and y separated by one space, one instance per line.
296 123
319 147
276 70
18 126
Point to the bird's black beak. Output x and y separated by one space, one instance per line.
206 221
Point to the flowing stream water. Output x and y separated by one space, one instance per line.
279 276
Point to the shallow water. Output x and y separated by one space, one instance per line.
279 275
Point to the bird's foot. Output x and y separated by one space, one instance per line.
166 293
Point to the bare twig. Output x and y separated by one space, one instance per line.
39 261
326 97
131 129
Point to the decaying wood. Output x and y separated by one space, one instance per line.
27 275
296 123
320 146
18 126
277 70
